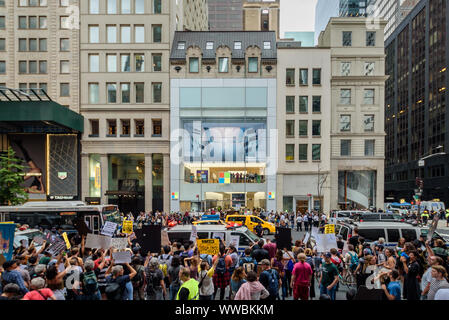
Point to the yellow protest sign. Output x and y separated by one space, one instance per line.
329 228
66 239
208 246
127 226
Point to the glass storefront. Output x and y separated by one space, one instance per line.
158 181
94 175
357 189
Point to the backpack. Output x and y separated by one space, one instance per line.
273 283
163 263
221 266
248 264
152 282
90 284
114 291
138 279
354 260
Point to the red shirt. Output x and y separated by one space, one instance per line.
271 248
45 293
302 271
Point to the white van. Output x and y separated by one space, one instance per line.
342 215
432 206
181 233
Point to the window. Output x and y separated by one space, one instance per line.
126 6
111 34
303 104
33 3
371 38
157 33
181 45
94 63
43 86
43 66
125 127
316 152
290 128
2 44
22 22
345 123
368 96
94 128
237 45
112 127
140 127
2 67
23 3
316 128
32 66
32 22
32 44
139 34
193 65
125 91
303 152
368 122
2 22
316 104
290 104
64 66
22 44
94 34
408 234
347 38
93 93
112 6
345 96
316 76
372 235
94 7
369 68
209 45
157 92
139 6
303 128
42 45
125 65
22 67
23 87
42 22
63 3
290 77
140 62
369 148
140 92
393 235
64 44
289 152
253 64
157 62
345 68
157 6
345 148
64 22
33 85
112 62
267 45
223 64
64 89
125 34
303 77
112 92
157 127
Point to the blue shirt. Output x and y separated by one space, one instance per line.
394 288
15 277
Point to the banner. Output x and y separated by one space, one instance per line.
7 230
127 226
208 246
325 242
121 257
329 228
66 239
109 228
119 243
193 234
98 241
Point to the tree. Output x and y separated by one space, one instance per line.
320 184
11 179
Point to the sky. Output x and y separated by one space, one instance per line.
297 15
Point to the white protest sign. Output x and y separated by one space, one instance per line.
314 232
325 242
235 241
218 235
24 243
109 228
61 267
119 243
306 238
98 241
121 257
193 234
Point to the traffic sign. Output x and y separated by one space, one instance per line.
421 163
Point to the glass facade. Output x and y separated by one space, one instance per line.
94 175
357 189
158 181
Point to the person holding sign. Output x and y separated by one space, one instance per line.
205 284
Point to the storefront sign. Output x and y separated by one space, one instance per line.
271 195
225 177
208 246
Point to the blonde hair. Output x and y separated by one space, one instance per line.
441 270
302 257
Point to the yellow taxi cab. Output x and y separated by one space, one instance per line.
251 221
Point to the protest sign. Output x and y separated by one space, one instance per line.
208 246
98 241
127 226
7 230
109 228
57 247
66 239
325 242
193 234
329 228
164 238
121 257
39 240
119 243
433 227
24 242
150 239
235 241
218 235
314 232
306 238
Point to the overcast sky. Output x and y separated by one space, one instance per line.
297 15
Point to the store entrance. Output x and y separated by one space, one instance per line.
302 206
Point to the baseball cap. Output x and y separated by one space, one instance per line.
265 262
328 255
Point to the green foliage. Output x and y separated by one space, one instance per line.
11 179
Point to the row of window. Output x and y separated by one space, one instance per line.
345 122
125 62
125 127
370 38
125 6
345 148
237 45
33 66
303 128
368 96
345 68
33 44
303 104
125 34
303 77
303 152
223 64
37 22
112 90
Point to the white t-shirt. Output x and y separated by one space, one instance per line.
426 278
442 294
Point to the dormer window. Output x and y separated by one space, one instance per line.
267 45
181 45
237 45
209 45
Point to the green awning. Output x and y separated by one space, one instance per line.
43 112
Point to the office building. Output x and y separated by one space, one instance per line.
225 15
353 8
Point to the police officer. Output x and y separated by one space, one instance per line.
425 217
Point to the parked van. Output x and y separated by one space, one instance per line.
182 234
251 221
341 215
